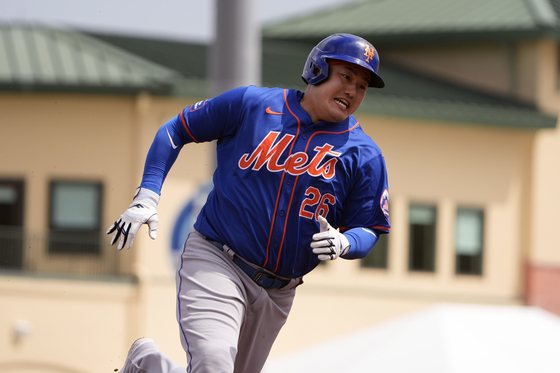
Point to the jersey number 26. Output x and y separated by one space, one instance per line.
316 201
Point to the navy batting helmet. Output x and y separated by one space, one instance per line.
343 47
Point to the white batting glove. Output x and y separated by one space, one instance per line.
141 211
329 243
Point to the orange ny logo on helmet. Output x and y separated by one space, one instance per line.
369 53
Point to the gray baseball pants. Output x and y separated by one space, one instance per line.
227 322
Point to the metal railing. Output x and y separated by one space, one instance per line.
83 254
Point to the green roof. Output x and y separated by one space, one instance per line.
38 58
189 59
511 116
46 59
392 21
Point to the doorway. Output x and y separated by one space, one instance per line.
11 224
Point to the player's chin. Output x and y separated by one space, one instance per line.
339 115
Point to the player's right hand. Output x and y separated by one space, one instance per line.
141 211
329 243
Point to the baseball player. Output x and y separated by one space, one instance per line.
297 182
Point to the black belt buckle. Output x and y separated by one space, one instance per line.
262 279
258 276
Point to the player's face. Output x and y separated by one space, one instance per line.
339 96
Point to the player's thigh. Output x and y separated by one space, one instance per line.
211 306
265 317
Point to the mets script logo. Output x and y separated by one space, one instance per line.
268 153
369 53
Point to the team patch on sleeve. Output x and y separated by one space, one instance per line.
198 105
384 203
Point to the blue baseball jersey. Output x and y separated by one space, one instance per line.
276 173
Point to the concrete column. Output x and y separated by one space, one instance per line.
235 58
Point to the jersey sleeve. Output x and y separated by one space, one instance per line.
203 121
212 119
361 241
367 204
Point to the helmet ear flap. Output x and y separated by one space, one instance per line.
316 68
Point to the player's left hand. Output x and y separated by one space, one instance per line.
141 211
329 243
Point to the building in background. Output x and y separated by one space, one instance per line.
467 124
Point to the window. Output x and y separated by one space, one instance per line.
468 241
75 217
11 221
422 238
377 258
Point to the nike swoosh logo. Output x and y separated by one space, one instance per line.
170 139
268 111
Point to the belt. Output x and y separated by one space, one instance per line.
260 277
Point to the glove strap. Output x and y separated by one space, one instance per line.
147 196
345 244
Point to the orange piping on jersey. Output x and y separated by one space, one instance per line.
279 191
332 133
273 220
381 228
186 128
375 227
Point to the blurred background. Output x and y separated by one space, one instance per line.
468 278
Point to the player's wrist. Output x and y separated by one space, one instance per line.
345 245
147 196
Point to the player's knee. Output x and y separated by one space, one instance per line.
151 360
213 357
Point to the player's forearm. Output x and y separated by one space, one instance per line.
162 154
361 242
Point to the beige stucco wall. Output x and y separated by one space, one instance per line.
505 68
68 137
546 209
95 138
481 65
545 212
452 165
65 136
